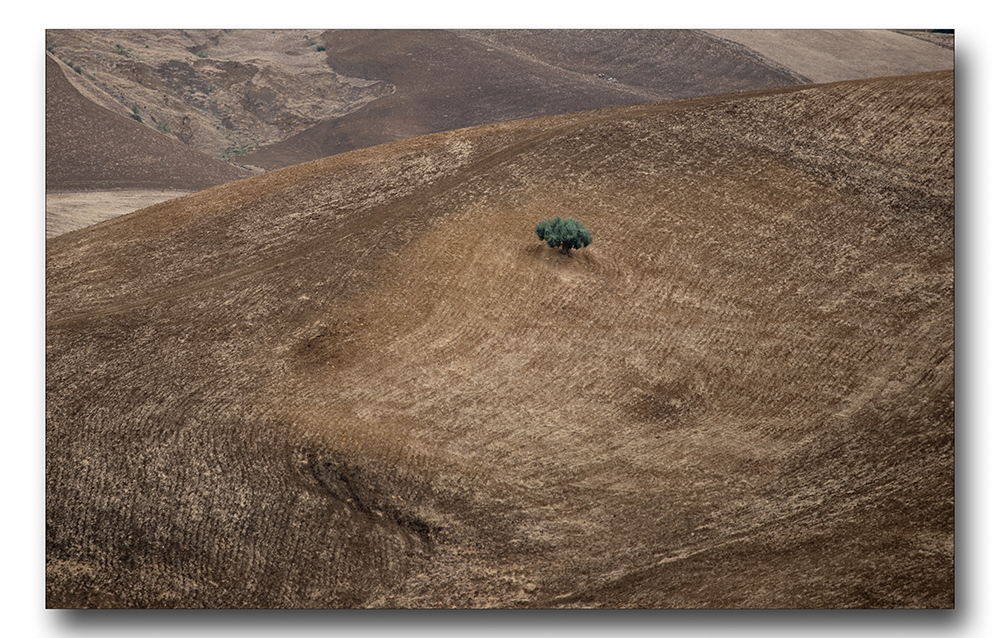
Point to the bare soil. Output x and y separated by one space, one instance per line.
89 147
263 99
831 55
444 80
65 211
361 381
221 92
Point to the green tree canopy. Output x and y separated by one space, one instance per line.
566 233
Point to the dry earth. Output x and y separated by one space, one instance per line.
220 92
830 55
273 98
70 211
89 147
362 382
444 80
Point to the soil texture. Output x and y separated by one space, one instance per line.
362 381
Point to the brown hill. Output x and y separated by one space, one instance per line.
832 55
300 94
363 382
221 92
227 92
90 147
445 80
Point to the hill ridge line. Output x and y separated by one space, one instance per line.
758 56
380 213
472 36
375 215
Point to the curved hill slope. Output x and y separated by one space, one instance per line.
89 147
444 80
227 92
363 382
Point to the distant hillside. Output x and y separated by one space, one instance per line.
221 92
89 147
363 382
832 55
445 80
297 95
266 98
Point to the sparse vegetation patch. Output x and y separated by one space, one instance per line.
565 233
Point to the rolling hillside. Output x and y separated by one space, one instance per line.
273 98
91 147
361 381
444 80
265 98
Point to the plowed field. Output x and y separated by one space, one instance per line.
363 382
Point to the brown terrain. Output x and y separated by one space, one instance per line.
830 55
361 381
263 99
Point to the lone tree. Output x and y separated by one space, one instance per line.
566 233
